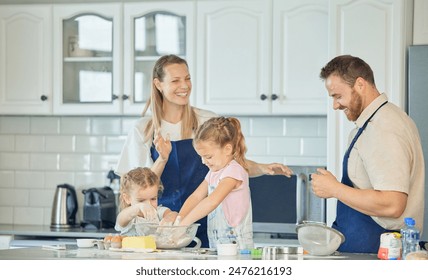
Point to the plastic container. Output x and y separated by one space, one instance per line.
410 239
227 249
390 246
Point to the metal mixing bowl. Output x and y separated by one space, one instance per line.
318 239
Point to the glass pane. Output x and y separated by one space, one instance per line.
88 59
156 34
142 81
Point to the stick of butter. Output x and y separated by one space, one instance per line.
143 242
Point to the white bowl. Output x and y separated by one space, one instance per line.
318 239
227 249
86 243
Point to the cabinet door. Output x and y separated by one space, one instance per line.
87 76
25 55
233 56
300 49
151 30
381 39
420 26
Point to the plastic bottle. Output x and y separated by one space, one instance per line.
410 238
404 233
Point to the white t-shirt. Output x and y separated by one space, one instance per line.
136 152
388 157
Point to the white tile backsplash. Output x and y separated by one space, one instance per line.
7 179
13 161
29 179
38 153
7 143
60 143
6 215
14 125
75 125
90 144
30 143
44 125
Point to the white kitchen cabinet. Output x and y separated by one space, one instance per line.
152 29
104 53
380 39
420 26
26 62
87 56
261 57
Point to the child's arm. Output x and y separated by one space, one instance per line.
126 215
143 209
209 203
199 194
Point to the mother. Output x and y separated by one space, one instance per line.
163 140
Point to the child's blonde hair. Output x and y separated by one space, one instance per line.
140 177
222 131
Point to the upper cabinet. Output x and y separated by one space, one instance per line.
262 57
105 53
25 59
153 29
87 55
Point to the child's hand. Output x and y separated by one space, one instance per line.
169 219
148 211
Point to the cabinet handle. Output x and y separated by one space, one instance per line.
114 97
43 97
274 97
263 96
125 97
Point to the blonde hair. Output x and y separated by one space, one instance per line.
140 177
189 121
222 131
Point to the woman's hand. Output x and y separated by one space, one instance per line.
162 146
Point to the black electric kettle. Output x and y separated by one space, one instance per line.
64 207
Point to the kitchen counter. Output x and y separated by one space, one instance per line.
72 252
47 231
32 235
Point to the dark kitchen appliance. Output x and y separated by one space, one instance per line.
99 209
64 207
280 203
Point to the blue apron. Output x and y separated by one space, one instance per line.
362 233
183 173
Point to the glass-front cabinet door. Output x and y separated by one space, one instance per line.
87 76
152 30
92 76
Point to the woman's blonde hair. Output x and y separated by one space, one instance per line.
189 121
222 131
140 177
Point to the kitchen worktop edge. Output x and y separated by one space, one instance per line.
47 231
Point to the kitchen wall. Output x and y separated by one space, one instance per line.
38 153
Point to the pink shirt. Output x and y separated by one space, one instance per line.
237 203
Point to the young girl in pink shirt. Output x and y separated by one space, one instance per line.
224 195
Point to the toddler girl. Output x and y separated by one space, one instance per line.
224 195
139 192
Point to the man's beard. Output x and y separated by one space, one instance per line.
355 107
